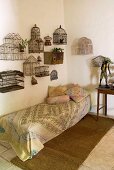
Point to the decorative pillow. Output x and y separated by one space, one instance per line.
58 99
77 93
58 90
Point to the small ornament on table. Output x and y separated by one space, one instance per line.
105 68
47 40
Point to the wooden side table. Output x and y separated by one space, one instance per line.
104 91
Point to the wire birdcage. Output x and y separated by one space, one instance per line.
11 80
42 71
85 46
60 36
35 44
9 50
47 40
53 75
29 66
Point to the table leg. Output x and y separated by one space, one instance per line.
98 95
105 104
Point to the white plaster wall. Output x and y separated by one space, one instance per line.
19 16
93 19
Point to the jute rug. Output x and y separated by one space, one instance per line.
70 149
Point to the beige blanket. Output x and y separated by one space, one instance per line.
28 129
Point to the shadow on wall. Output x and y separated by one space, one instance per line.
91 87
94 74
111 78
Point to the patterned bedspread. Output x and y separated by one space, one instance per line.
28 129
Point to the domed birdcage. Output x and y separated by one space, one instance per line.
35 44
85 46
60 36
35 32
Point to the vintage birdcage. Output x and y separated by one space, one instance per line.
53 75
42 71
60 36
33 81
29 66
40 45
85 46
35 44
47 40
39 60
10 50
11 80
35 32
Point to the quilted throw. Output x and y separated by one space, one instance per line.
28 129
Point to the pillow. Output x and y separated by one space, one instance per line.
77 93
58 99
58 90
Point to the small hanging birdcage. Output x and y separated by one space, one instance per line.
29 66
47 40
33 81
39 59
85 46
53 75
60 36
42 71
35 32
40 45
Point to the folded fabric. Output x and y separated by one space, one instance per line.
58 99
58 90
77 93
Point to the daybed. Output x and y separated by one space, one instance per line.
28 129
